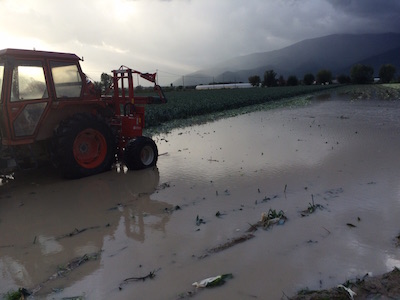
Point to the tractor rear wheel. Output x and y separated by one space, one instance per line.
140 153
85 145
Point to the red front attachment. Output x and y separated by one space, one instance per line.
123 88
147 76
129 108
132 125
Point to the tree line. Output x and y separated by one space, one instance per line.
359 74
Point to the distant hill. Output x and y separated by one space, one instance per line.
337 53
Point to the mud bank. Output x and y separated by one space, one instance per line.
330 167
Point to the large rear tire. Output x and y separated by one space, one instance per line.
140 153
85 145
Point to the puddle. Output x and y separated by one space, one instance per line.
339 154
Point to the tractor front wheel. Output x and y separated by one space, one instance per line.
140 153
85 145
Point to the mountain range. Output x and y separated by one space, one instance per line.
336 53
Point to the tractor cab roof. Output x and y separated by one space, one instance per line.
37 54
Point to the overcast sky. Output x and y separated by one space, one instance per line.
177 37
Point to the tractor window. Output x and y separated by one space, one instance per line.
67 80
28 82
25 124
1 79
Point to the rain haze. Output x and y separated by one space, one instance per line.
177 37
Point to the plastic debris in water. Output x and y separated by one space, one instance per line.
120 166
351 293
5 178
212 281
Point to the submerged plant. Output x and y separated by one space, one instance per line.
13 295
312 207
272 214
397 240
21 293
272 217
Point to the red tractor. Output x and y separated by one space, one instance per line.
50 110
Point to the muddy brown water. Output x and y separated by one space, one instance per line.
341 154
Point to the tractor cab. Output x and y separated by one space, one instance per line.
33 83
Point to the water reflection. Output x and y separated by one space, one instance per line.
392 261
343 153
248 143
47 222
277 140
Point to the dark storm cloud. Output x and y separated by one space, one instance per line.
367 8
367 16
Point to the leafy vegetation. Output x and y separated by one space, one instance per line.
269 219
372 91
393 86
191 103
21 293
188 107
312 207
13 295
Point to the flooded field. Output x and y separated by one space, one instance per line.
332 168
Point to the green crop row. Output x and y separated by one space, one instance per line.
372 91
191 103
392 85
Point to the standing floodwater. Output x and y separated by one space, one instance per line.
331 167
